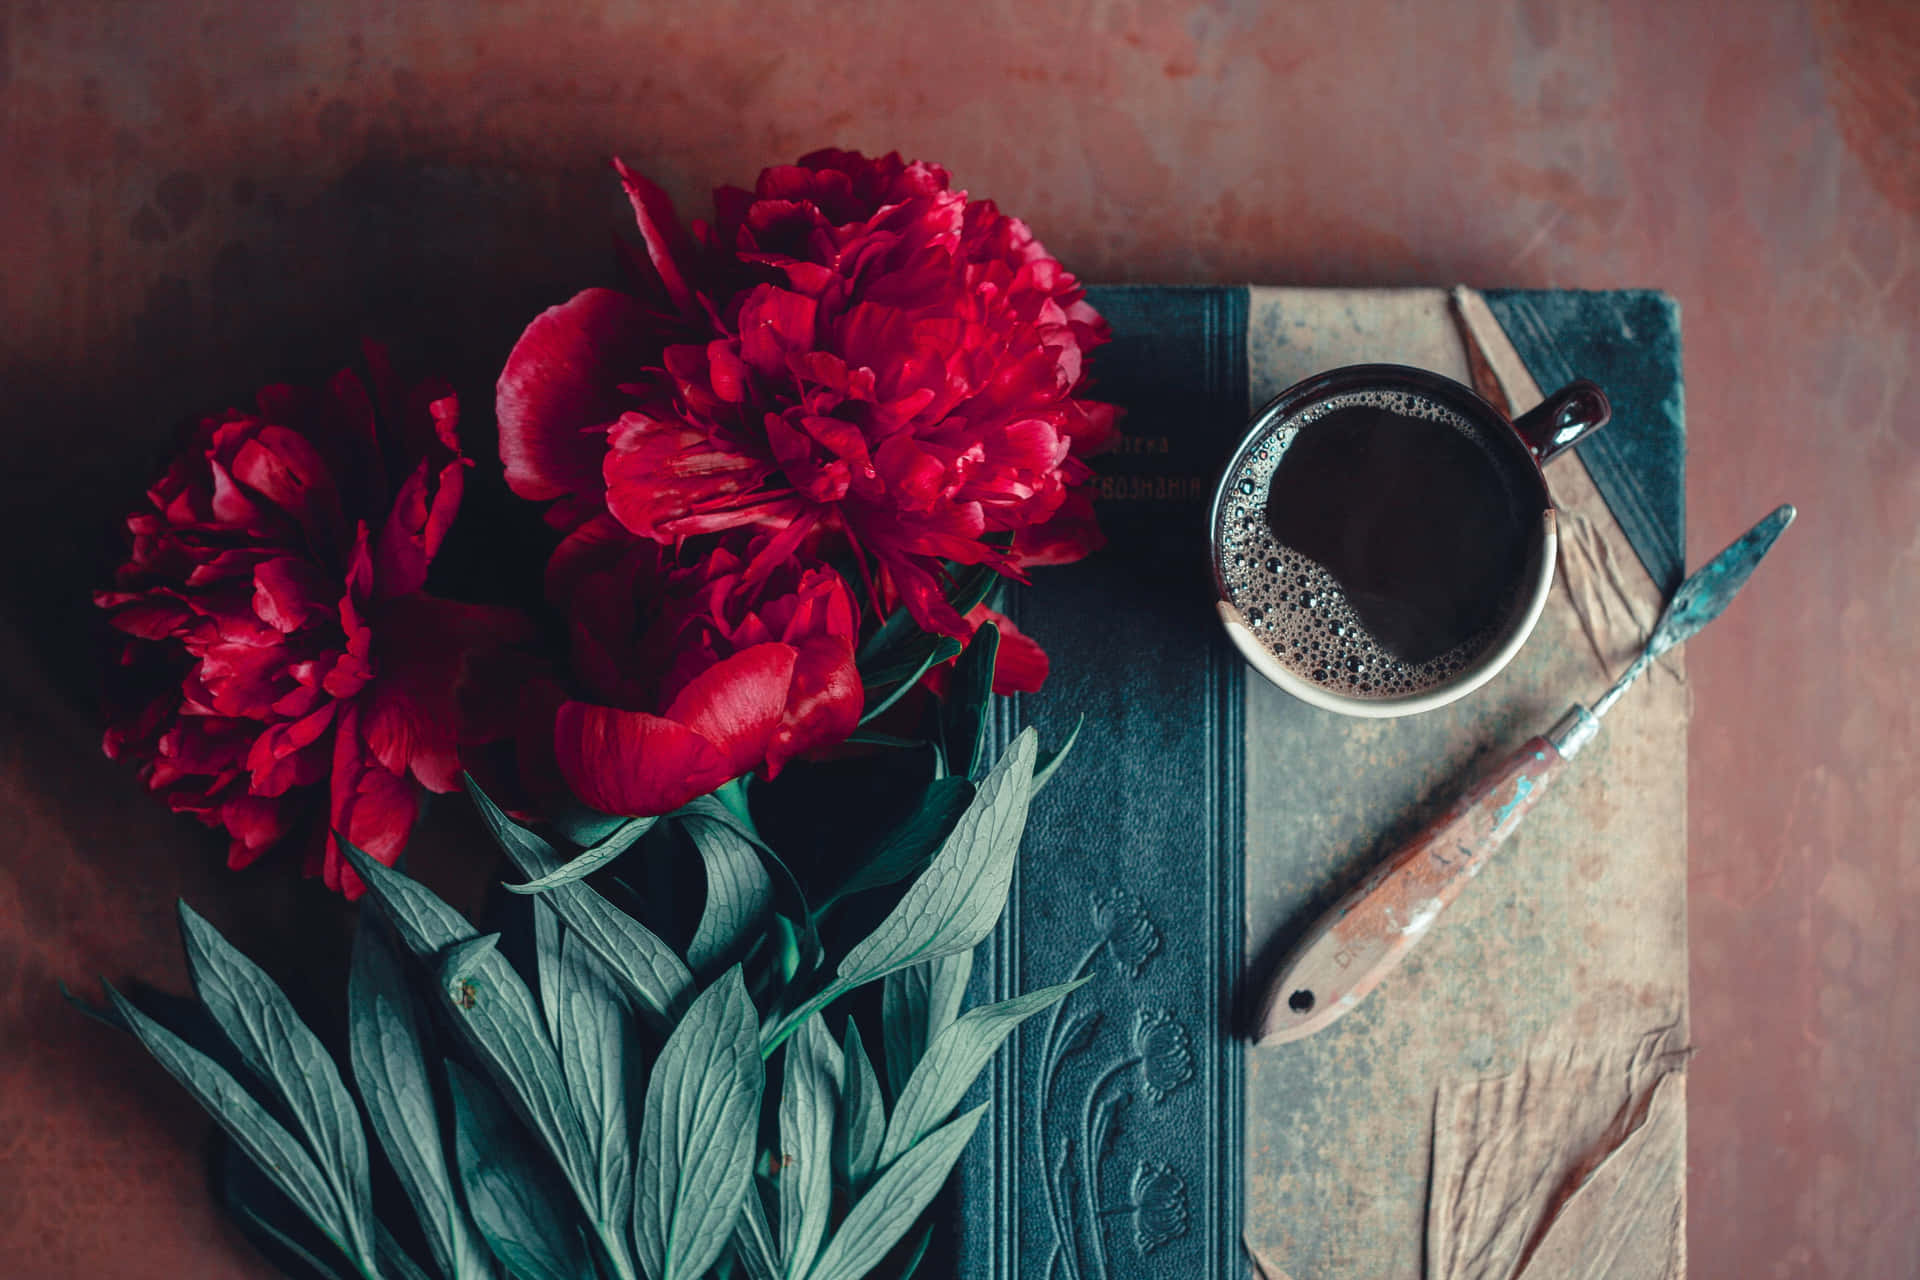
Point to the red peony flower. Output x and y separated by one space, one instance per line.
698 672
276 576
853 347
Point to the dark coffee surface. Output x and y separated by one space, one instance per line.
1373 544
1413 519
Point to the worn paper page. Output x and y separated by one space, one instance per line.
1569 948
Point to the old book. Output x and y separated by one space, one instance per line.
1516 1082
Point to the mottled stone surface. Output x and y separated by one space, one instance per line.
199 195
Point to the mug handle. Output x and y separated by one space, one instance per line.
1570 414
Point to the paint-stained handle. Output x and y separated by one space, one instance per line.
1350 949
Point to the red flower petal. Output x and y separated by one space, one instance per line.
561 387
660 228
1020 664
823 704
423 512
738 703
289 593
631 762
282 466
256 823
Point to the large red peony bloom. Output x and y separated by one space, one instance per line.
276 576
853 347
698 673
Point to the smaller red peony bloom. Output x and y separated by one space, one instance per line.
695 674
853 348
276 577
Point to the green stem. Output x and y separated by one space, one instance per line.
821 999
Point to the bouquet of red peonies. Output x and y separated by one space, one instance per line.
734 743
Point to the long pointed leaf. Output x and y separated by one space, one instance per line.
394 1259
955 902
637 958
390 1066
916 1005
899 1196
753 1239
862 1122
589 861
288 1058
697 1137
546 963
1050 762
963 713
524 1219
739 893
488 1001
814 1077
592 1044
953 1060
908 847
277 1152
427 925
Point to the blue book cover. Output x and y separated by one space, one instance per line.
1116 1142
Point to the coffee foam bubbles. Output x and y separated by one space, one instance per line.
1293 606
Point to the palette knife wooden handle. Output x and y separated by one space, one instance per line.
1359 941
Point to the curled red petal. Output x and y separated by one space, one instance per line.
737 704
561 388
660 227
1020 664
823 704
630 762
369 805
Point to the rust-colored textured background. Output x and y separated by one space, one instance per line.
197 195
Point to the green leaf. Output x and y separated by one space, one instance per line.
426 924
589 861
252 1220
390 1066
713 808
490 1003
524 1220
956 900
277 1152
287 1057
963 714
697 1136
888 684
739 893
954 903
637 958
1050 761
546 963
908 847
270 1220
583 826
753 1239
592 1043
919 1252
814 1076
394 1260
916 1005
863 1116
897 1199
954 1058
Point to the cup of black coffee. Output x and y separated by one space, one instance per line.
1383 539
